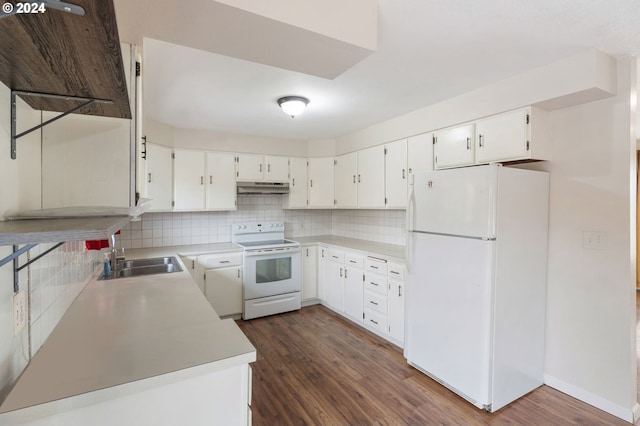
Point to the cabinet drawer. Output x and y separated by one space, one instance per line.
396 272
375 320
375 302
353 260
375 283
220 260
336 256
375 265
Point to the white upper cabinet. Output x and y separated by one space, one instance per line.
396 174
220 185
189 171
454 146
158 177
249 167
514 135
297 198
320 179
276 168
203 181
256 168
420 153
346 185
371 177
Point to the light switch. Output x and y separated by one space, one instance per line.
594 240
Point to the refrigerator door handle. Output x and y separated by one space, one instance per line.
409 222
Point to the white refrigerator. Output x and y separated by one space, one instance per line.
476 259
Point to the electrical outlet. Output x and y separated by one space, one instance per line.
594 240
19 312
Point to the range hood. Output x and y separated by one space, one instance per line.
263 187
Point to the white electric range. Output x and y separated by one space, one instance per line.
271 268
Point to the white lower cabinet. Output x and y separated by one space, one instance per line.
309 273
222 282
323 254
395 295
334 290
367 290
353 287
375 294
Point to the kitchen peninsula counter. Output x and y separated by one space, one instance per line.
126 336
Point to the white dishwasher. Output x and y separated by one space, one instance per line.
222 274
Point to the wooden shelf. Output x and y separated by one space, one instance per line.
31 231
65 54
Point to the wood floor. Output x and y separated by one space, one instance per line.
316 368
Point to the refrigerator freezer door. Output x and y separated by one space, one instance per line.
449 300
456 202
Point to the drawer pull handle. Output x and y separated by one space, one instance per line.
395 272
374 321
352 261
374 267
373 303
224 261
372 283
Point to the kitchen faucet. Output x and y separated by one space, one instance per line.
114 255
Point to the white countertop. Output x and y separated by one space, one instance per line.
367 247
127 330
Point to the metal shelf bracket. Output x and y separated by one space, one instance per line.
14 93
17 252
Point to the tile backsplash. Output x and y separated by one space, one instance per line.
171 229
55 280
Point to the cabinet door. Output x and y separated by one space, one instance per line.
276 169
297 197
420 153
346 186
188 184
353 293
395 165
158 177
320 174
454 146
309 273
249 167
220 182
322 272
223 289
371 177
502 137
335 286
396 310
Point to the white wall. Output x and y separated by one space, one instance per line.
51 283
16 194
591 297
85 161
590 350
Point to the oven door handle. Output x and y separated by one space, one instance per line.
271 252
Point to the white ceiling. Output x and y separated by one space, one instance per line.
428 51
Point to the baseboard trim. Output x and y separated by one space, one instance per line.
627 414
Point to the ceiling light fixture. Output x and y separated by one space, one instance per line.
293 105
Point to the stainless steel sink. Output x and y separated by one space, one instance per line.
139 267
139 263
